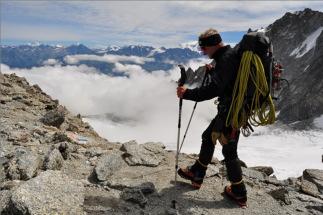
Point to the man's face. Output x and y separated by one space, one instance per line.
208 50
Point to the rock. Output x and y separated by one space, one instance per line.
5 99
147 188
4 201
268 170
134 195
6 149
23 165
275 181
50 192
292 181
309 188
60 137
66 148
281 194
53 160
8 185
212 170
307 198
254 174
154 147
107 165
53 118
315 176
94 151
149 154
19 137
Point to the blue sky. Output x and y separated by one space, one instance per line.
161 23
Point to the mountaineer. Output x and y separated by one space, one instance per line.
241 79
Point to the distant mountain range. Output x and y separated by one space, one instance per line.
27 56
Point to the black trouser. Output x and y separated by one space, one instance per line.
229 150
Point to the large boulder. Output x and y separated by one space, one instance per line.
107 165
315 176
53 160
23 165
148 154
51 192
53 118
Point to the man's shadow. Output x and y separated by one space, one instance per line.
185 202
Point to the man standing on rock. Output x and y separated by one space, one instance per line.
223 76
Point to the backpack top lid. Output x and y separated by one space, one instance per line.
256 42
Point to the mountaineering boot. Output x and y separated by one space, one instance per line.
194 173
240 200
237 190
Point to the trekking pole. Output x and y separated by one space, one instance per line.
181 82
189 122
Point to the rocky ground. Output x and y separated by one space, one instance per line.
51 162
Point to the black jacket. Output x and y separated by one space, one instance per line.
223 77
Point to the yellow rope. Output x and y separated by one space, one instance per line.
257 114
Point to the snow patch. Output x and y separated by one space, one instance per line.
192 45
156 50
308 44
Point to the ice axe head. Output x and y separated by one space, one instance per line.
183 77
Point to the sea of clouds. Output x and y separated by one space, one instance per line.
143 106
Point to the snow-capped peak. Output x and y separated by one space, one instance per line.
192 45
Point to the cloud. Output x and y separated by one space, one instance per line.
143 22
50 62
74 59
16 31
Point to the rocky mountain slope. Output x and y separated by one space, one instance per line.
298 44
51 162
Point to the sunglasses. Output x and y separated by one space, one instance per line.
203 48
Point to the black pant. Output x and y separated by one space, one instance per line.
229 150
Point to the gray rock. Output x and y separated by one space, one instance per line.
66 148
23 165
51 192
154 147
6 149
254 174
3 163
147 188
268 170
4 201
53 160
275 181
60 137
107 165
282 195
315 176
8 185
134 195
53 118
309 188
94 151
149 154
212 170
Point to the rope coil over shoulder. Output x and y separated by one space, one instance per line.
261 110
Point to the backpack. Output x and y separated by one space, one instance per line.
251 98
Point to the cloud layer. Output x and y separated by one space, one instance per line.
161 23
